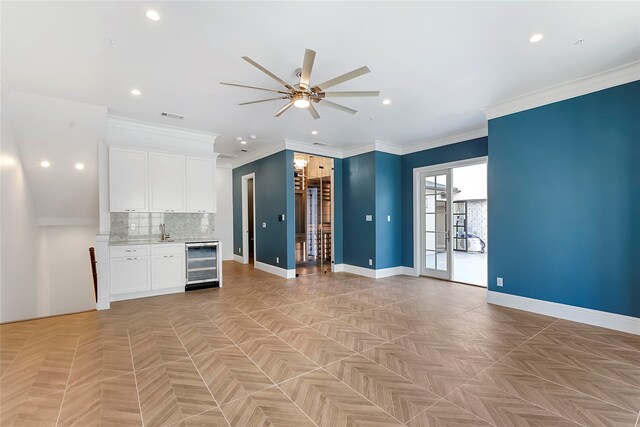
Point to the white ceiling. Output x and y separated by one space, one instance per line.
439 62
64 133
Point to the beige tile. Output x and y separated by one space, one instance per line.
316 346
109 402
277 359
347 335
444 414
242 329
503 409
615 392
555 398
230 374
396 395
172 392
340 405
155 348
275 321
269 407
202 337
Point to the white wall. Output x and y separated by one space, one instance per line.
18 232
65 271
224 213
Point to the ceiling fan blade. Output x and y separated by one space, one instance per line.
351 94
253 87
264 100
338 106
341 79
285 108
313 112
267 72
307 65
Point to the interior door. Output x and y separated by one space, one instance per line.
435 216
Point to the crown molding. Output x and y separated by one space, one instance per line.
607 79
138 134
311 148
453 138
224 165
252 156
387 147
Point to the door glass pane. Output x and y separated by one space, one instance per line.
430 204
429 185
430 259
441 217
430 222
442 261
430 241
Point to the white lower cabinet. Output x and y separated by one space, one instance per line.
167 266
130 274
145 270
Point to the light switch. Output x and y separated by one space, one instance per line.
388 218
368 218
264 225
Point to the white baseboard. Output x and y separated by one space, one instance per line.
103 305
282 272
238 258
410 271
338 268
603 319
144 294
369 272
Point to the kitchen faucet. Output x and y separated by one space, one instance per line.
163 233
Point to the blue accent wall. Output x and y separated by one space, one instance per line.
564 201
448 153
388 203
271 178
359 193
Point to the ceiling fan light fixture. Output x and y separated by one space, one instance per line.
301 101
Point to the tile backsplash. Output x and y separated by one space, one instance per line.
147 225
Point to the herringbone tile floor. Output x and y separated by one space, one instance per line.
328 350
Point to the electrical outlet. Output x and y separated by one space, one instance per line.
388 218
277 260
499 281
132 226
370 261
368 217
264 225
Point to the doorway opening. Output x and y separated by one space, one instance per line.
451 219
470 224
313 189
248 219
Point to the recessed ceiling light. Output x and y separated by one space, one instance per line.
79 166
45 164
153 15
314 132
136 92
252 136
536 38
386 102
243 142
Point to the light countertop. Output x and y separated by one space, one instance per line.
159 242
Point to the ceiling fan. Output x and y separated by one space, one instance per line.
301 94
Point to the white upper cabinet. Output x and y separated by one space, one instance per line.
201 188
166 182
128 180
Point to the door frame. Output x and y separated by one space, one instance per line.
245 218
417 239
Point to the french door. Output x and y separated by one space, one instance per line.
435 219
